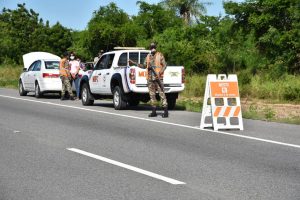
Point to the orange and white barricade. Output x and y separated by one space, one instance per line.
221 103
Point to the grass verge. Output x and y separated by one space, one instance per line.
9 76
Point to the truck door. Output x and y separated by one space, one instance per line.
97 75
107 72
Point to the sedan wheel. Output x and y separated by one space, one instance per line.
37 90
22 92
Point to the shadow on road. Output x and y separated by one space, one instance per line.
109 104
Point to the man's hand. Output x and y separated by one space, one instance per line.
131 62
160 74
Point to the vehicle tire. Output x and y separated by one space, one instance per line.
37 91
171 102
86 96
118 99
22 92
133 102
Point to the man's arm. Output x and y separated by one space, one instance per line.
163 64
135 63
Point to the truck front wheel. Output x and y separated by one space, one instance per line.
86 97
118 99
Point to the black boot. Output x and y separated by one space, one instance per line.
166 113
62 98
153 113
72 98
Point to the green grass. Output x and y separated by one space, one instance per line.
253 112
189 105
283 90
9 76
194 86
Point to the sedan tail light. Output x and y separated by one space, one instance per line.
50 75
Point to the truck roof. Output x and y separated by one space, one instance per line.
127 50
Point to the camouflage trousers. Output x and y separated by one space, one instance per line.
66 86
153 86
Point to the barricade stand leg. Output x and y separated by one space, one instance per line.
206 108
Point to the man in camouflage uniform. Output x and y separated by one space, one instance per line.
157 61
65 76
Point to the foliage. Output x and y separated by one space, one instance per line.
275 25
22 31
187 9
155 19
10 81
111 27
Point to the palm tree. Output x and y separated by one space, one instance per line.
187 8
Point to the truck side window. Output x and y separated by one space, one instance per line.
143 57
110 60
101 63
134 56
122 60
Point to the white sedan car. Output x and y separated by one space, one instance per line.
41 74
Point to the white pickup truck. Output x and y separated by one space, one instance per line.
112 77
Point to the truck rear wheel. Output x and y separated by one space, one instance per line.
133 102
171 102
118 99
86 97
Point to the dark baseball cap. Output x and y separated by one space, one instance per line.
65 54
152 45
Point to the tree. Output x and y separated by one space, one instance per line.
154 18
275 25
22 31
187 9
111 27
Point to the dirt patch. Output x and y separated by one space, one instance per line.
279 111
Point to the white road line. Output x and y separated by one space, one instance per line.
129 167
157 121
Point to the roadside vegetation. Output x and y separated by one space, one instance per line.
271 102
9 75
256 39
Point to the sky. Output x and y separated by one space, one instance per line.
76 14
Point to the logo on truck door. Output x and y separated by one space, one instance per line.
95 78
142 74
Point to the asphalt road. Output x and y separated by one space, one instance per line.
52 149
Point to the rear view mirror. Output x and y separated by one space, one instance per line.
24 69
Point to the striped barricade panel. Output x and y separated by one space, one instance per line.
229 111
225 107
